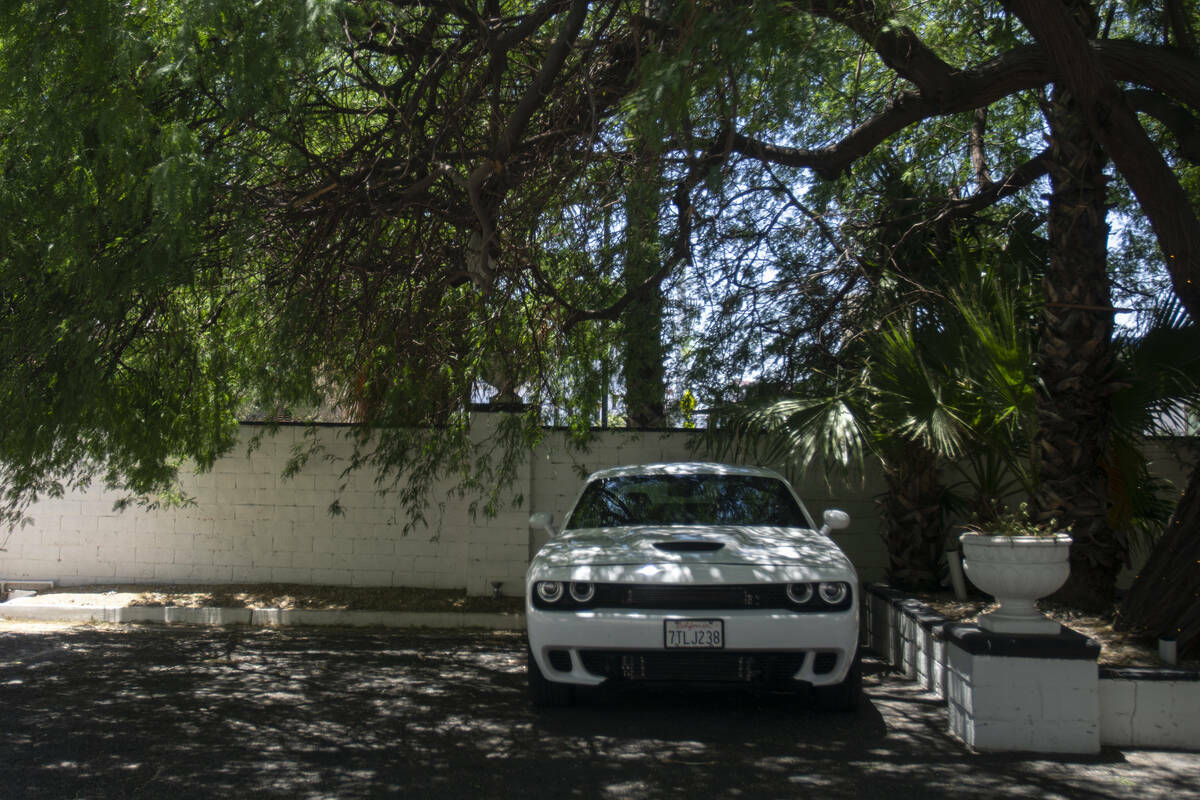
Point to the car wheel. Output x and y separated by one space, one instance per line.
843 696
544 693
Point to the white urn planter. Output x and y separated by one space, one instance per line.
1017 571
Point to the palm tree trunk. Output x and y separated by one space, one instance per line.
911 512
1075 361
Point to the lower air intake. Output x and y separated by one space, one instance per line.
746 668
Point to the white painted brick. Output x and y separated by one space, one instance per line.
1117 700
373 546
177 572
428 564
1054 736
304 482
246 574
291 575
445 580
117 552
234 529
328 483
227 499
330 577
76 524
999 736
154 555
1020 704
292 543
1071 703
297 512
1166 711
271 528
363 516
273 497
358 561
333 544
114 523
416 546
319 526
266 465
254 513
310 561
247 482
204 558
192 526
230 558
371 577
224 481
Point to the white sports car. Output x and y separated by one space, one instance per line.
691 574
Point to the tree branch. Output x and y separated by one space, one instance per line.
975 145
1162 198
898 46
1182 125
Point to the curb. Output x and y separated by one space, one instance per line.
263 617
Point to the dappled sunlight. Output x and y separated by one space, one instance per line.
606 555
154 711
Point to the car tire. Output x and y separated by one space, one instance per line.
842 696
544 693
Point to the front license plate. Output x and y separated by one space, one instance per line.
708 634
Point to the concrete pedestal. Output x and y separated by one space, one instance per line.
1023 693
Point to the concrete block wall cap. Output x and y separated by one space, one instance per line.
1167 674
1066 645
265 617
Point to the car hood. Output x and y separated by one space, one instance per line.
694 545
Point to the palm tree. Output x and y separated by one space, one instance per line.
943 387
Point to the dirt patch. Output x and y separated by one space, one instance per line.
1117 648
275 595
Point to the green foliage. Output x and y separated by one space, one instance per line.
113 271
383 211
1017 523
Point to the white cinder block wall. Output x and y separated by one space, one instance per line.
249 524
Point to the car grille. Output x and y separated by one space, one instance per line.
732 596
747 668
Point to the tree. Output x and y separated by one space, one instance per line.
933 389
284 205
390 201
1091 118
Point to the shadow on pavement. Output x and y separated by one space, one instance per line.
183 712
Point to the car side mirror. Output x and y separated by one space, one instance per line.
835 520
541 530
541 524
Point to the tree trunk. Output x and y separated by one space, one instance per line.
644 354
911 513
1165 597
1074 360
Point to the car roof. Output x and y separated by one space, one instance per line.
684 468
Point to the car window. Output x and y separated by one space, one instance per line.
681 499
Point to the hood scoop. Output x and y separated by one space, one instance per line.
689 546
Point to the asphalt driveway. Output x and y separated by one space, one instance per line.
155 711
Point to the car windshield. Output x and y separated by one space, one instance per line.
687 499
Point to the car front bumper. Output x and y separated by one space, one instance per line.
588 648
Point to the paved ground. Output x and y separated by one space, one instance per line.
155 711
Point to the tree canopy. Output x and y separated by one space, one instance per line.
214 206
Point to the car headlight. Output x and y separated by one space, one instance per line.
550 591
833 593
582 591
800 593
